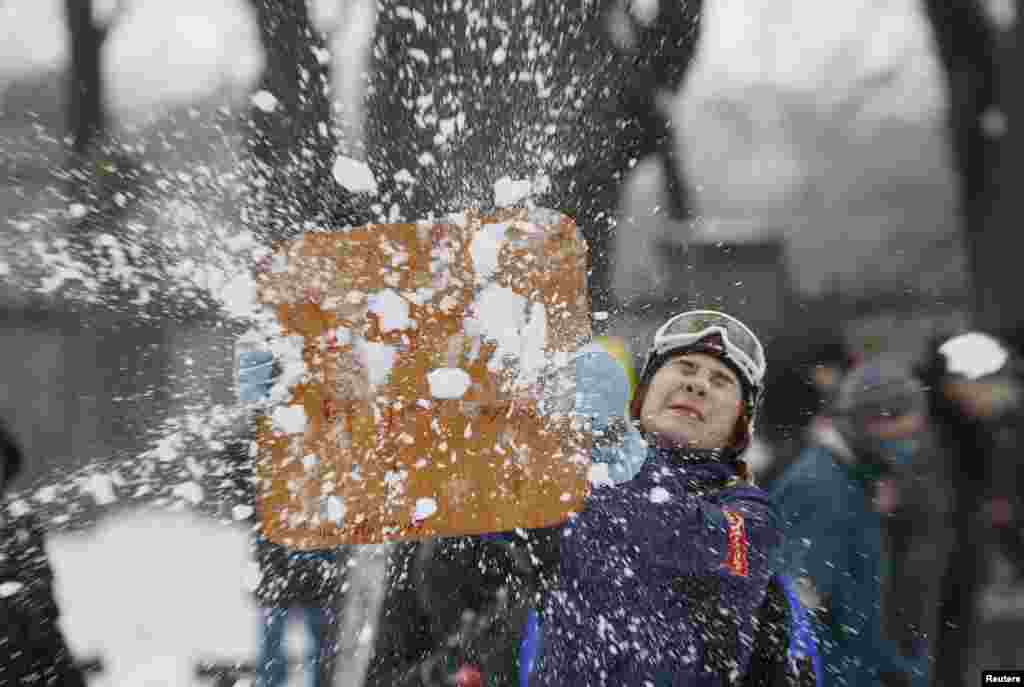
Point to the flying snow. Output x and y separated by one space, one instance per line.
392 309
424 509
659 495
290 419
448 382
264 100
354 175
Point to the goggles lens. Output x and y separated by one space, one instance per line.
690 327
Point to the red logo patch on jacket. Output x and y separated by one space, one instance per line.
736 553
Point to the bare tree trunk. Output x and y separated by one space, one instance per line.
292 135
87 119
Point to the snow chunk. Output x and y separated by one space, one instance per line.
379 359
290 419
645 11
239 295
974 355
485 249
10 589
242 512
18 508
392 309
659 495
413 15
502 315
46 494
424 509
448 382
509 191
354 175
264 100
189 491
499 56
100 487
335 509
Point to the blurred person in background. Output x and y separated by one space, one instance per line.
836 501
303 584
830 363
32 647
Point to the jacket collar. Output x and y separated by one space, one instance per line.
700 467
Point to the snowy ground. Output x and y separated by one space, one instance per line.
154 592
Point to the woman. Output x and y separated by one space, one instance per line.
660 576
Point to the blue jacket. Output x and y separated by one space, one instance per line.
834 537
636 565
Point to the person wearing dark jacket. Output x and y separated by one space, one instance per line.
303 583
32 647
660 576
846 523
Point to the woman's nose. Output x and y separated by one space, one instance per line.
696 386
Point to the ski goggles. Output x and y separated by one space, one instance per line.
738 343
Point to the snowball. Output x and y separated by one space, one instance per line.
18 508
379 359
335 509
485 249
974 355
659 495
290 419
500 314
509 191
448 382
354 175
264 100
645 11
424 509
392 309
239 295
10 589
242 512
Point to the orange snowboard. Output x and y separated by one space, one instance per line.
424 348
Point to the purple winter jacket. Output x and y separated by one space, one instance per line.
652 568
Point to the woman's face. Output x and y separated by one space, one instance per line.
693 400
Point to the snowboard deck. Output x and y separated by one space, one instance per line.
395 321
